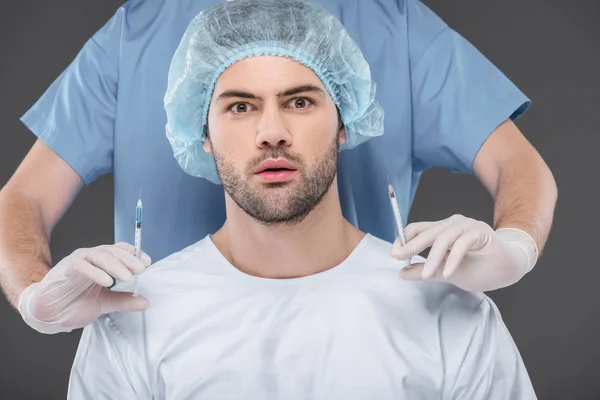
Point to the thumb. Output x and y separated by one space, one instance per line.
121 301
413 272
400 252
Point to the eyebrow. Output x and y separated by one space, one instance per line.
245 95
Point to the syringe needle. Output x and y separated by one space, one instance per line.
138 239
397 217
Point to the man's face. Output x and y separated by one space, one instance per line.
274 134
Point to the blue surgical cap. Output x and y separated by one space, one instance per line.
229 32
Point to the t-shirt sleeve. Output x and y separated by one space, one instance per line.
489 366
75 116
458 96
106 366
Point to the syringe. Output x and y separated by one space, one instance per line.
138 239
396 210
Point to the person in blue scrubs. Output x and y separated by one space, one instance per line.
446 105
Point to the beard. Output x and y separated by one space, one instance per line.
279 203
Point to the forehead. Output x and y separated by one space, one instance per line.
266 75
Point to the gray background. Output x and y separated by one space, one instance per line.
549 48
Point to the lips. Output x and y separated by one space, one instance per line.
275 166
275 171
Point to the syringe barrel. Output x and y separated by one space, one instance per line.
138 241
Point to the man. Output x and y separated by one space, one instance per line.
446 106
287 300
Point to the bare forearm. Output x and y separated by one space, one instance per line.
526 197
24 244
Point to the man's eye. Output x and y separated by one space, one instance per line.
300 102
240 108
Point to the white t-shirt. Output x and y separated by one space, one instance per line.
356 331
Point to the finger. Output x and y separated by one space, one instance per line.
414 229
423 240
439 250
88 271
121 301
404 252
398 251
457 254
100 258
131 250
414 273
133 264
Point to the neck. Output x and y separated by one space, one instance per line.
319 242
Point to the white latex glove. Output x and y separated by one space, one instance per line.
467 253
76 291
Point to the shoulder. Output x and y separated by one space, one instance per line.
165 284
436 299
455 325
158 280
377 253
191 259
145 10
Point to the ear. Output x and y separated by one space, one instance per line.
342 135
207 145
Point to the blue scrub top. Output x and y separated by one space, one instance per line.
442 98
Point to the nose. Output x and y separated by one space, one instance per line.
272 131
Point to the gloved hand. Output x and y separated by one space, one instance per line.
76 291
467 253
